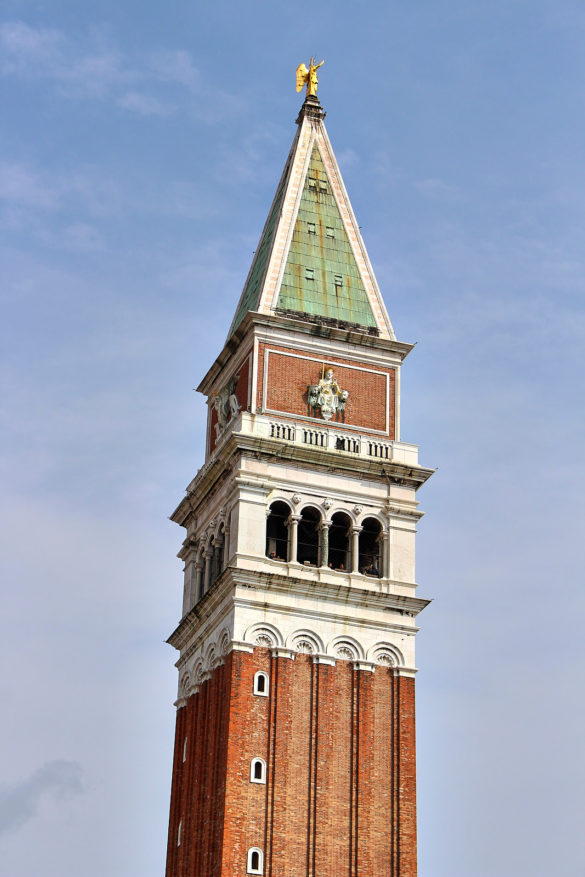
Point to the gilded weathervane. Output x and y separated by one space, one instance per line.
308 77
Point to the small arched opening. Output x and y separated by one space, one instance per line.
255 861
308 537
370 560
277 531
339 541
258 771
261 683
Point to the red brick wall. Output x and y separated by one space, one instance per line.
289 376
245 807
198 790
340 797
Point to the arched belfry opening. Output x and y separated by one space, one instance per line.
370 560
277 531
339 542
308 538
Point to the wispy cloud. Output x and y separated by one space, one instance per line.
437 189
27 50
175 66
247 160
151 84
22 186
144 104
347 158
19 802
42 53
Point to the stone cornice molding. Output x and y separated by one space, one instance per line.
330 615
343 595
214 470
311 326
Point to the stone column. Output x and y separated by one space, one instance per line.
208 564
386 546
226 547
324 543
355 548
294 532
217 556
198 578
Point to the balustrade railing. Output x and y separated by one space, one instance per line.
331 439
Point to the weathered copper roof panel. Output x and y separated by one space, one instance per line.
321 276
250 296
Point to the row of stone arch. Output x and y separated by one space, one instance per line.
338 542
303 641
211 559
307 641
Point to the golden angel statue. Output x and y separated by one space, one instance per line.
308 77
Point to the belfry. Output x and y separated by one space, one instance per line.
295 731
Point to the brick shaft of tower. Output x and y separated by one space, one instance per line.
295 734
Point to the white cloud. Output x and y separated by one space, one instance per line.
82 236
144 104
247 160
437 189
19 802
151 85
347 158
27 50
176 66
24 187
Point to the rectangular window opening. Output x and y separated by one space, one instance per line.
338 279
311 228
309 274
330 232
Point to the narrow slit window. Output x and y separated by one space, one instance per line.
311 228
258 771
255 861
261 684
185 749
179 832
309 274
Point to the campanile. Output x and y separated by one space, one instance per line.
295 731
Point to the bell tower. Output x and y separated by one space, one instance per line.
295 731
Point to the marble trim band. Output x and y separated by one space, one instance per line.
212 654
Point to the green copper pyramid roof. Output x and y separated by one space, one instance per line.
311 261
253 287
321 276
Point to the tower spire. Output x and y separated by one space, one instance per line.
311 260
295 737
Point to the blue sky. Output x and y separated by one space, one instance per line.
140 149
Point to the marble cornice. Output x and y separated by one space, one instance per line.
215 468
297 326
